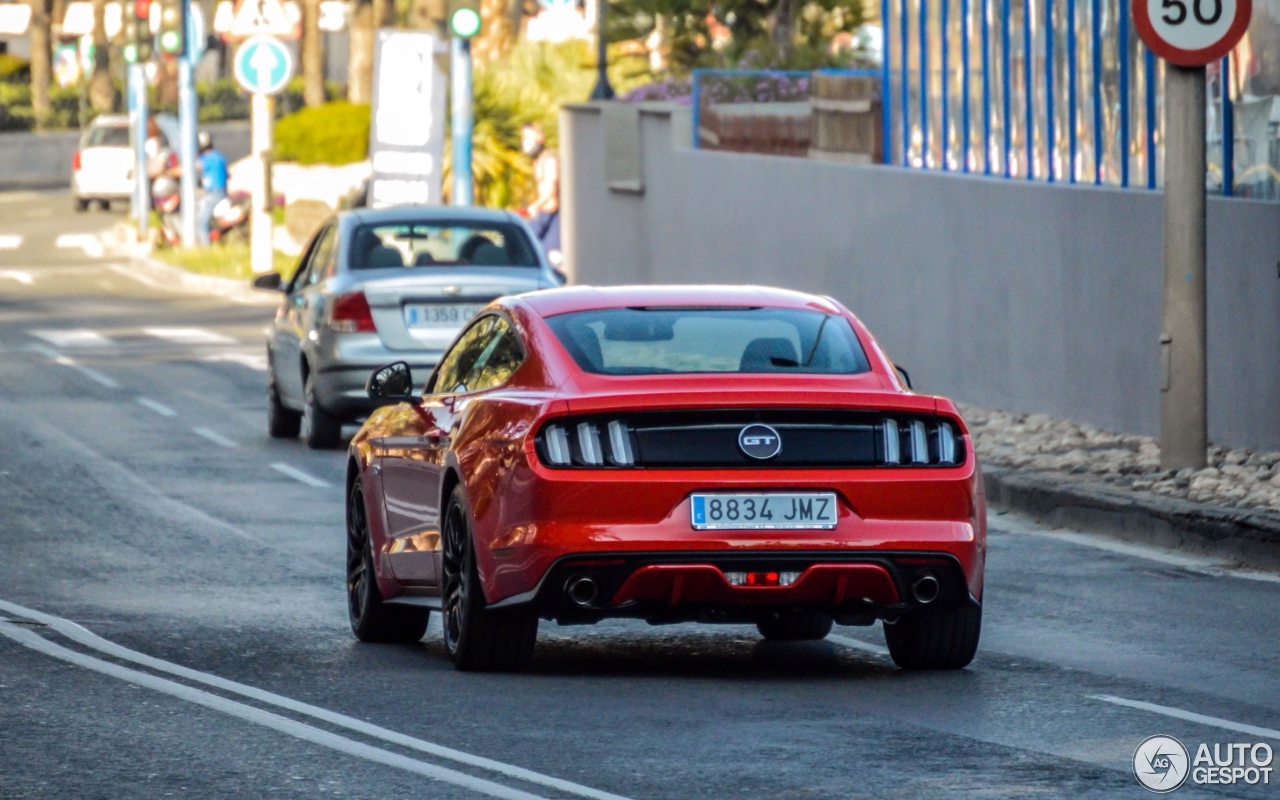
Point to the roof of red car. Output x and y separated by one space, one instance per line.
551 302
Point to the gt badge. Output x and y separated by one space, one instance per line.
759 441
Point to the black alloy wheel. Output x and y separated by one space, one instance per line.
282 422
478 639
372 620
943 637
322 430
800 626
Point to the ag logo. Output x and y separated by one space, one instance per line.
1160 763
759 441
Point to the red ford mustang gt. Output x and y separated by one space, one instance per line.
672 454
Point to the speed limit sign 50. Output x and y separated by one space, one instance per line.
1191 33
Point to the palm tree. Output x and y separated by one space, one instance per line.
312 54
360 53
40 66
497 32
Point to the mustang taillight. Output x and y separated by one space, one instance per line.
761 578
351 314
587 444
918 441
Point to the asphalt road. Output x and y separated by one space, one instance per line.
174 622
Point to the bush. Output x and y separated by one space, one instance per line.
14 69
334 133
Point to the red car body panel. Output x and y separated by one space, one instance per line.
528 517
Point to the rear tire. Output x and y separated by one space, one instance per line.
372 620
82 205
935 638
282 422
322 430
478 639
802 627
104 205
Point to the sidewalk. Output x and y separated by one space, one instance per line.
1076 476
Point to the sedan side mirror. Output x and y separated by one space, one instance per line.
906 376
269 281
392 382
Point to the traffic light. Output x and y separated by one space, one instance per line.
173 27
137 48
464 18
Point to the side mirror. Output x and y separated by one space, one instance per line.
906 376
392 382
560 275
268 281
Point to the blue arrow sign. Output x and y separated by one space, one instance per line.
263 65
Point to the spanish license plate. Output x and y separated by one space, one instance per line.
440 315
764 511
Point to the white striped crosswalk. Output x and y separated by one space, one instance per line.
10 241
189 335
72 337
206 345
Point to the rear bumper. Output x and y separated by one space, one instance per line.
340 387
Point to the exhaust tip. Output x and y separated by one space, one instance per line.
582 590
925 589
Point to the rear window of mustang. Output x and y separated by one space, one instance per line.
649 341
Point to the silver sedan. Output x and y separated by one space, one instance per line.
375 286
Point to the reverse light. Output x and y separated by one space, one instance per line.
351 314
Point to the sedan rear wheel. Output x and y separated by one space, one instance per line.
803 626
935 638
372 620
322 430
476 638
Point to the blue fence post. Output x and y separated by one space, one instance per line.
697 108
1228 131
944 68
1150 68
1004 95
1050 135
964 85
986 89
1071 91
924 83
906 84
1095 50
886 99
1027 76
1125 135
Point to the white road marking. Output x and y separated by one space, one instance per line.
300 476
866 647
254 361
87 638
90 244
10 242
66 361
24 278
159 408
1190 716
214 437
189 335
1205 565
72 337
266 719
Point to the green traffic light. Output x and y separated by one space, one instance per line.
465 23
170 41
131 53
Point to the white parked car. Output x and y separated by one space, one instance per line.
102 167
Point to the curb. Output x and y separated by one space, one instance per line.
1250 538
159 275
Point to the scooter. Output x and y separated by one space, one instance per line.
230 221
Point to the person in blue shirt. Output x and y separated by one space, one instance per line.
213 182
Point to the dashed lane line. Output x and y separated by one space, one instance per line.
10 241
214 437
159 408
88 242
24 278
266 719
855 644
82 636
1189 716
72 337
67 361
254 361
300 476
189 335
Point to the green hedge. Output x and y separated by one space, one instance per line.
14 69
334 133
16 113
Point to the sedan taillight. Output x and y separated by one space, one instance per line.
917 441
75 161
587 444
351 314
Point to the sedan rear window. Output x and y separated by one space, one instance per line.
107 136
441 244
648 341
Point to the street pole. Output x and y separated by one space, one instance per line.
187 143
1184 429
602 90
262 118
460 69
141 181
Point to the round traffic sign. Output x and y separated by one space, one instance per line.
1191 33
263 65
